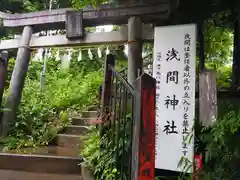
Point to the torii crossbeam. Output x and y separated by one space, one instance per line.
105 14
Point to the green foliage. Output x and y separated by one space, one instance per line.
43 113
218 44
219 145
105 158
81 4
222 148
32 5
99 160
91 150
224 75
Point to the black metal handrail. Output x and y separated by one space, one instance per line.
128 130
121 105
122 79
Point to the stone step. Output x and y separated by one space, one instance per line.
21 175
93 108
68 140
75 130
40 163
49 150
79 121
89 114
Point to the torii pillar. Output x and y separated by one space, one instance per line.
17 80
134 49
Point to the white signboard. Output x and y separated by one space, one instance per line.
174 70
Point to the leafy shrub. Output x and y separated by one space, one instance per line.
43 113
98 155
104 158
219 147
222 149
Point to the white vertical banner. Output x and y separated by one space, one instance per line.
174 69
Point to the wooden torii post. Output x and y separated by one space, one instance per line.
17 80
134 49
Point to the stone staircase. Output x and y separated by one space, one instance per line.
57 161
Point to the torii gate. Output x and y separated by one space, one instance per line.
74 23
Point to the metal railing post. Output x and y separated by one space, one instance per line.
106 89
